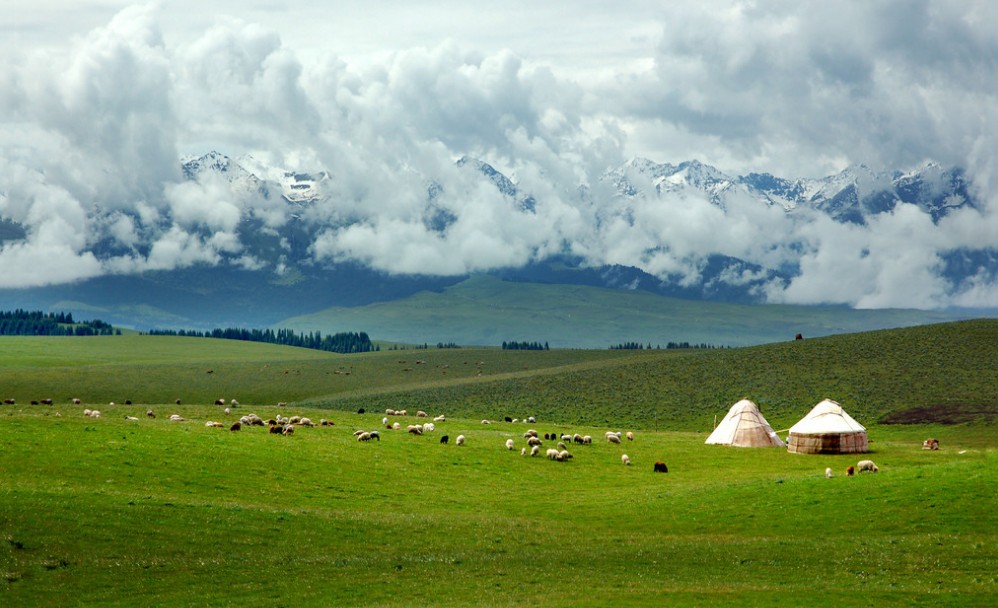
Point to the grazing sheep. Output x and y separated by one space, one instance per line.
531 419
930 444
227 411
535 450
529 434
324 422
551 453
486 421
234 403
429 427
282 404
130 418
624 458
176 418
212 423
534 441
87 412
389 412
440 418
587 440
396 426
509 444
507 419
376 435
415 429
276 430
358 433
566 437
46 402
828 472
459 440
361 411
294 420
523 451
660 467
384 421
421 414
150 413
562 446
306 422
236 426
630 436
444 439
76 401
10 402
563 456
866 465
850 471
219 401
289 429
613 439
364 436
177 401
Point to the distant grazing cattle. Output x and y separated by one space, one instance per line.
799 337
661 468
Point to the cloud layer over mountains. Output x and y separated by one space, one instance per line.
92 132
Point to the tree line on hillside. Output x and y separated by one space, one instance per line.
344 342
670 345
525 346
37 323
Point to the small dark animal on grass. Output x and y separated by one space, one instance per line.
508 419
850 471
444 439
799 337
661 468
236 426
361 411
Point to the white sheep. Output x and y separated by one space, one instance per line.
630 436
364 436
459 440
624 458
429 427
534 441
396 426
531 419
587 440
130 418
866 465
563 456
420 414
486 421
613 438
384 421
535 450
289 429
509 444
523 451
828 472
87 412
228 411
440 418
212 423
176 418
552 453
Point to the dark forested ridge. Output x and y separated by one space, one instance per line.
37 323
345 342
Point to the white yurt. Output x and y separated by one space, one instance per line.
827 429
745 427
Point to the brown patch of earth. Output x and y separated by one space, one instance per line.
950 413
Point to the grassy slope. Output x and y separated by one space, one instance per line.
119 512
487 311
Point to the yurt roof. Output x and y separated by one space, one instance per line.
745 426
827 417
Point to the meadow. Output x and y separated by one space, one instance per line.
112 511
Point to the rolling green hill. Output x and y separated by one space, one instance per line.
485 310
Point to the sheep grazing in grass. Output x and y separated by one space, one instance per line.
587 440
613 439
562 446
415 429
523 451
535 450
529 434
87 412
444 439
295 420
389 412
234 403
509 444
630 436
440 418
384 421
429 427
289 429
534 441
531 419
212 423
324 422
219 401
624 458
276 430
376 435
563 456
828 472
486 421
551 453
566 437
236 426
150 413
306 422
76 401
660 467
421 414
866 465
396 426
227 411
364 436
10 402
176 418
459 440
850 471
130 418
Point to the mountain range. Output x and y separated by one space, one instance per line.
274 273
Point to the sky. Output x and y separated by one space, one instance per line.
100 99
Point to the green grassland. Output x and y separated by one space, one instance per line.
112 511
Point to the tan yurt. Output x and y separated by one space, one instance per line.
827 429
745 427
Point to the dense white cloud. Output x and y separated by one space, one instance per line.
93 122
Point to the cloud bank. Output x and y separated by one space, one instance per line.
92 131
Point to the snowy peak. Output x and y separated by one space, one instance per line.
505 185
249 175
